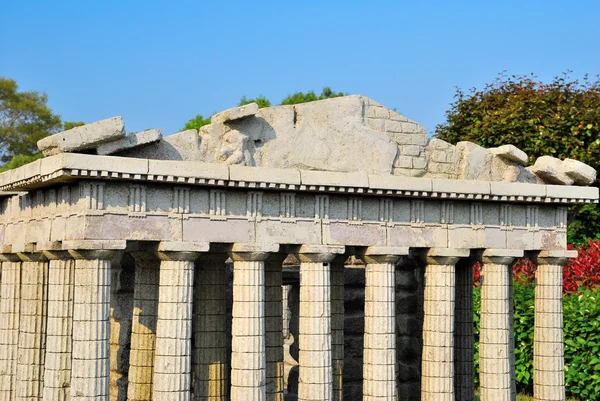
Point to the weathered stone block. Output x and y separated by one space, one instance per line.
580 172
512 153
411 150
550 169
130 141
235 113
85 137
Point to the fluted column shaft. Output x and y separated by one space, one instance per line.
32 327
337 325
285 310
90 363
210 320
379 367
496 348
10 290
57 373
437 373
143 326
315 357
464 341
248 348
274 328
173 351
548 345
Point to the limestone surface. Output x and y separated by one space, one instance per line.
183 145
86 137
512 153
550 169
311 136
350 134
235 113
130 141
580 172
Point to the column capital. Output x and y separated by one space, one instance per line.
49 246
383 254
93 254
7 255
441 256
57 255
26 247
501 256
181 250
246 252
32 257
92 245
553 256
318 253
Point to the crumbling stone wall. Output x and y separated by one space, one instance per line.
410 137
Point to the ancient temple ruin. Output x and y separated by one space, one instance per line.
114 251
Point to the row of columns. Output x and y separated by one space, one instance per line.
55 331
54 326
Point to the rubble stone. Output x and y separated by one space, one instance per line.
86 137
130 141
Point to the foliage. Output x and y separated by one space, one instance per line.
67 125
523 295
301 97
583 224
582 344
196 122
581 322
24 119
260 100
560 118
584 270
20 160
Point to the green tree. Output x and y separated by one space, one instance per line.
560 118
20 160
196 123
301 97
260 100
24 119
67 125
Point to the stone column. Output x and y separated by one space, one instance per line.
143 326
248 348
496 348
32 326
90 359
337 324
285 310
173 353
274 327
210 366
464 341
122 272
10 296
57 373
548 346
379 367
316 375
437 373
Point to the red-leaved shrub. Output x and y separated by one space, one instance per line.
582 271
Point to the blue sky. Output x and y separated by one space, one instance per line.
159 63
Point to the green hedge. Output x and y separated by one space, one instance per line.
582 340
